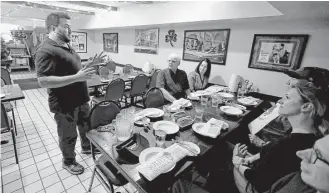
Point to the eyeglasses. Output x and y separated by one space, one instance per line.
169 61
315 157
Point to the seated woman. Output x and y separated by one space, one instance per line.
198 79
304 107
280 127
173 81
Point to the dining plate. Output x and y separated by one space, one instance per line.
167 126
198 126
247 101
148 153
229 110
132 77
143 121
115 73
225 95
105 81
240 107
193 98
2 95
155 112
192 146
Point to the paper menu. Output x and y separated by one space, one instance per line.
260 122
162 162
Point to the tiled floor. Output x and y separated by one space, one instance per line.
40 168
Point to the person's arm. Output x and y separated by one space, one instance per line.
45 64
167 95
161 84
60 81
191 81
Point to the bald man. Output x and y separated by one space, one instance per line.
172 81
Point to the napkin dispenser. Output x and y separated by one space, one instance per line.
234 82
128 151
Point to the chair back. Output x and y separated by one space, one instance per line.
5 75
111 65
154 98
154 79
103 113
4 117
115 90
138 85
127 69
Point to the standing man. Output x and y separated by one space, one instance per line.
59 70
172 81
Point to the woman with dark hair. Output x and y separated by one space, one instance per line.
198 79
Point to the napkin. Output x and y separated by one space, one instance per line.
162 162
215 88
143 113
177 104
212 128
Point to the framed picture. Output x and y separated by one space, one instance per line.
277 52
211 44
110 42
146 41
79 42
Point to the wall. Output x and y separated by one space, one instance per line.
241 37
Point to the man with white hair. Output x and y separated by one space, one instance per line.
172 81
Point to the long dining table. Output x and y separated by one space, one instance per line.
106 143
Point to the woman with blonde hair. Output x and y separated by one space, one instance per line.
304 106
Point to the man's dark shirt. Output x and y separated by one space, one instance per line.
178 78
54 60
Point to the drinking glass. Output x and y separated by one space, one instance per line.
199 112
160 137
123 130
204 100
104 74
214 101
166 110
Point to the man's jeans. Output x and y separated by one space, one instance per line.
67 132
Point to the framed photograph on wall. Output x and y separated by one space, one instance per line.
146 41
278 52
110 42
79 42
211 44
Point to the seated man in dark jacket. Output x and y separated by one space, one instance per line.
314 176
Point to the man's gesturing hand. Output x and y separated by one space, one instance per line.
85 73
95 60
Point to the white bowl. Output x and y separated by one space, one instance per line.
229 110
167 126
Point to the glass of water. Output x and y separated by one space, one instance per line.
199 112
214 100
204 100
160 137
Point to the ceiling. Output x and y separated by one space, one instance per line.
34 15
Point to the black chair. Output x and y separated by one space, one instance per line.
138 88
154 79
114 91
6 124
102 114
154 98
5 76
8 106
